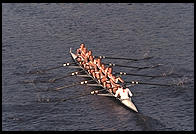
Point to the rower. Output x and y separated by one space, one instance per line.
103 78
114 81
97 75
101 68
124 92
79 52
84 58
86 64
108 74
88 54
91 66
99 63
84 52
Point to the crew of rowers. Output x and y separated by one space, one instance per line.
100 72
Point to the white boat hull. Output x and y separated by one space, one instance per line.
128 103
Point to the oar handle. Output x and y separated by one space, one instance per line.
67 64
95 92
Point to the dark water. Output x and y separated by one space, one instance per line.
40 35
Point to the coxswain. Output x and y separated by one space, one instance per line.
123 92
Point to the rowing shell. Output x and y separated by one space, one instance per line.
127 102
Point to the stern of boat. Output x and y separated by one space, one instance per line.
128 103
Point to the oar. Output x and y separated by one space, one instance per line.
65 86
110 64
72 74
43 71
98 92
94 85
123 58
152 76
145 83
46 81
55 79
110 95
63 99
74 84
51 80
66 99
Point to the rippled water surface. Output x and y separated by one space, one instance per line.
38 36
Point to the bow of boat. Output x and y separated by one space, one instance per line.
72 54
